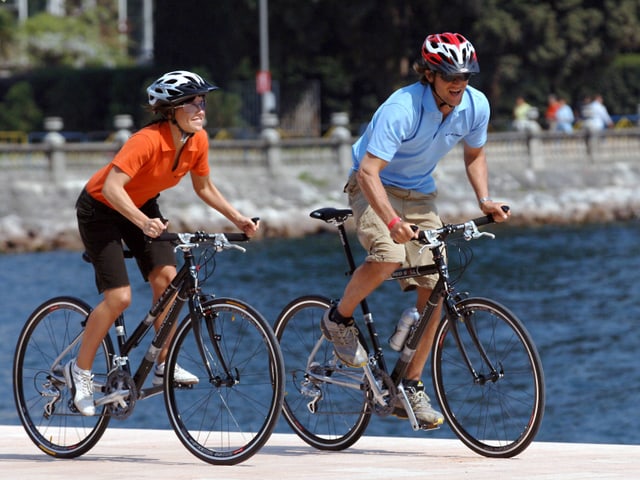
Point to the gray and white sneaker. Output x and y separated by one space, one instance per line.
345 340
180 376
80 382
421 406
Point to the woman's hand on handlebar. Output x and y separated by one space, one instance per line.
153 227
497 210
249 226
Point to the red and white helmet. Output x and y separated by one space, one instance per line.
173 87
450 53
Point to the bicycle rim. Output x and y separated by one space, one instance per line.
226 418
498 418
40 392
328 415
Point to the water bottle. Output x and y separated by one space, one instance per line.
408 318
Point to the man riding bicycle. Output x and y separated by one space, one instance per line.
391 188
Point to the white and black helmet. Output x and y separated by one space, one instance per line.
173 87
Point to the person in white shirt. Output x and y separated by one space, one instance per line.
597 117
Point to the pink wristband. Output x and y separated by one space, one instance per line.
393 222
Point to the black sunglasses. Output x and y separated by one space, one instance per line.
452 77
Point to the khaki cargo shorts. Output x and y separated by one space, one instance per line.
414 207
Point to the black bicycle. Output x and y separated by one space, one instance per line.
224 419
486 371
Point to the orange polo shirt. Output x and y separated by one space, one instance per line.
147 158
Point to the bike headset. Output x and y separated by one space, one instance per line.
449 53
173 89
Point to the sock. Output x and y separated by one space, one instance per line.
335 317
80 371
417 385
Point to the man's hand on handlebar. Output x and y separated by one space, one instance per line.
402 232
497 210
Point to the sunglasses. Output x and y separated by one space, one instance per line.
193 107
452 77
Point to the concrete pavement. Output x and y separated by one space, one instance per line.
157 454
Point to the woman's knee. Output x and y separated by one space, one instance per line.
118 299
160 277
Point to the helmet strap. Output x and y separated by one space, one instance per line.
432 84
442 103
184 136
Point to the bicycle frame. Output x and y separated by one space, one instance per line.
184 286
443 290
183 289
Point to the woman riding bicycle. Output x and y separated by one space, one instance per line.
119 204
391 188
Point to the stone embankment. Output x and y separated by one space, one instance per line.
36 214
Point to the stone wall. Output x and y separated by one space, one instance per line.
556 180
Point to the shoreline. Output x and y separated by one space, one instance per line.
38 215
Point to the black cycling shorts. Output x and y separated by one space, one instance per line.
103 231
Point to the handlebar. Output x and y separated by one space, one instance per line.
219 241
434 238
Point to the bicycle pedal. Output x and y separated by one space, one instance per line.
183 386
430 426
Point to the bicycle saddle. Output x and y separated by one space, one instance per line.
330 214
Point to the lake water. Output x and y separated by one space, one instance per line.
576 289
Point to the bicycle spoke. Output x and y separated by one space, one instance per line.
495 417
228 416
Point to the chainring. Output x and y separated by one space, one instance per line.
118 381
385 380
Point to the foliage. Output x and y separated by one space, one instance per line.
85 40
7 33
360 50
19 111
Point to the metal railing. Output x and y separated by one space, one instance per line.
506 150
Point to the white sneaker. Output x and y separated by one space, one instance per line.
180 376
80 382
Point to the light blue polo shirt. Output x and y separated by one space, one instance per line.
408 132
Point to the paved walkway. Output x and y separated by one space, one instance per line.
157 454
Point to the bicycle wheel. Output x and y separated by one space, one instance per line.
495 414
325 402
49 339
230 414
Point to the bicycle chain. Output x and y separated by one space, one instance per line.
387 383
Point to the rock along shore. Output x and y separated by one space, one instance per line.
36 214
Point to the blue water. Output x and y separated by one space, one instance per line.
576 288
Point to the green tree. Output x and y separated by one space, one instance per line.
18 110
7 33
88 39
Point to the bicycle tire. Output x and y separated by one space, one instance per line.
43 348
326 415
220 422
499 418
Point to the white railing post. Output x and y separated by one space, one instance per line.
54 141
271 135
340 131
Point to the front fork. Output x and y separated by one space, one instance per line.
199 315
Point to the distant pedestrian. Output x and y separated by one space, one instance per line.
553 104
564 117
596 115
525 116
